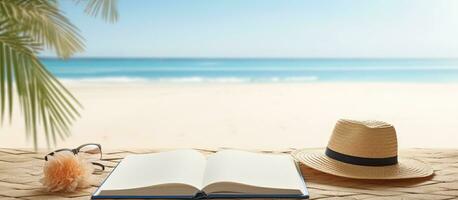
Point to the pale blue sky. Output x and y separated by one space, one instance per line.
272 28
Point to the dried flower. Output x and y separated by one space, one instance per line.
65 171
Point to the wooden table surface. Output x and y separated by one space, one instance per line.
21 170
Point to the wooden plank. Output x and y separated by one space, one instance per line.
20 171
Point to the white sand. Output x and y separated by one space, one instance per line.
252 115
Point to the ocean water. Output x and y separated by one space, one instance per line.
254 70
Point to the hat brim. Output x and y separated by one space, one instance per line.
406 168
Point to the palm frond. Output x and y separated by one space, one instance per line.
106 8
26 28
42 98
44 23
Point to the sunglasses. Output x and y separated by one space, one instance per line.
91 151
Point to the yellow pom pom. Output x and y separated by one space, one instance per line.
66 172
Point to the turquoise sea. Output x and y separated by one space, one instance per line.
254 70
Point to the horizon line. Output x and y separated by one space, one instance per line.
235 58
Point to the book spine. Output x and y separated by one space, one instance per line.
201 195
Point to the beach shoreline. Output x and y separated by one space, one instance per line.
250 115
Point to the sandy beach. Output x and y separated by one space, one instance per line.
261 116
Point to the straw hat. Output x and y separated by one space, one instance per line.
363 150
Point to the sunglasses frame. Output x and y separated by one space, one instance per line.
76 150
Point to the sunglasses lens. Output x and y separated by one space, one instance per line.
91 152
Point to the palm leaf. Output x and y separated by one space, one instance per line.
106 8
41 96
26 28
44 23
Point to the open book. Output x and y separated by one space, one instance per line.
190 174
